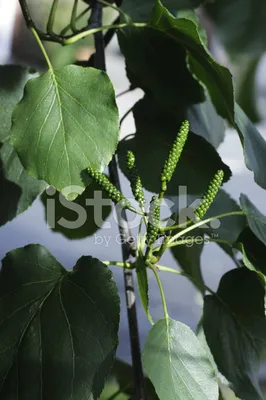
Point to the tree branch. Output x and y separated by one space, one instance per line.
127 247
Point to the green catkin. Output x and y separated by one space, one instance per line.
153 221
210 194
135 181
115 195
174 155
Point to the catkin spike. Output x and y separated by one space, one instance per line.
153 221
174 155
115 195
135 181
210 194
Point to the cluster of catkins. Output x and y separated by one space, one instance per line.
154 220
115 195
169 167
135 181
210 194
174 155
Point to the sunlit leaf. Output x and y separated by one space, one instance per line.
177 363
66 121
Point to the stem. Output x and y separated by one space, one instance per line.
118 264
172 227
136 211
166 316
127 248
168 269
181 273
33 30
74 16
119 10
26 13
50 23
200 223
66 29
82 35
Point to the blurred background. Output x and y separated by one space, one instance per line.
249 69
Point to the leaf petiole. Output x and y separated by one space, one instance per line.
51 19
82 35
35 34
68 27
203 222
153 268
74 16
118 9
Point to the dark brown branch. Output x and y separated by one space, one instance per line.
127 247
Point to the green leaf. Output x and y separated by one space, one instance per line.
188 257
241 32
217 80
235 328
177 364
143 286
158 65
18 189
59 328
12 82
256 220
120 383
79 218
156 132
66 122
140 10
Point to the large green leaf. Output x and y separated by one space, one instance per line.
18 189
235 328
177 363
12 82
256 220
216 79
58 331
151 144
79 218
240 25
66 122
158 65
140 10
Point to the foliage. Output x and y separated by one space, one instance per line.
59 130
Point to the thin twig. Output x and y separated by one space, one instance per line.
99 62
